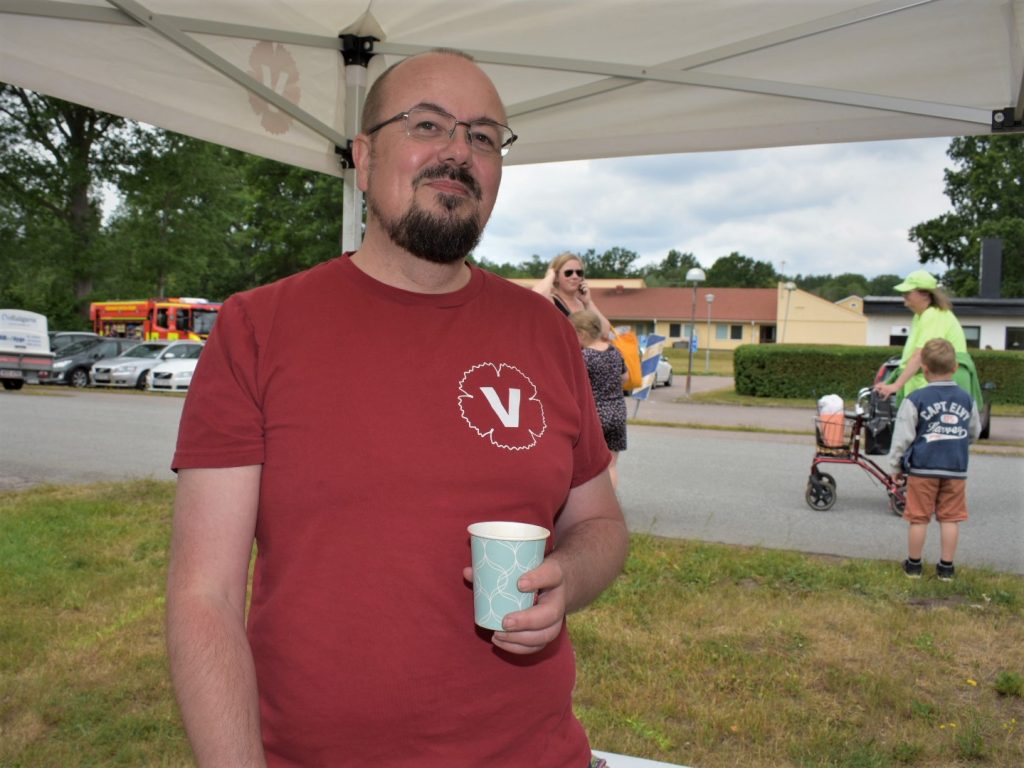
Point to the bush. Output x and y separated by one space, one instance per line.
813 370
806 370
1005 370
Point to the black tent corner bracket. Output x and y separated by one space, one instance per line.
356 49
1006 121
345 155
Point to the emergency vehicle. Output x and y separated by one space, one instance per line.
148 319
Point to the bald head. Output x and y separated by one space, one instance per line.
373 106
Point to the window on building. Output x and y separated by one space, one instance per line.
675 330
721 331
1015 339
972 333
736 332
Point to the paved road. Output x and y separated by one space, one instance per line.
744 488
55 434
735 487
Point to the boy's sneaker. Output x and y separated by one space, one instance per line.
913 570
945 572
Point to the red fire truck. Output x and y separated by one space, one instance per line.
147 319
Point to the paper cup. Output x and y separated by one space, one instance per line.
502 552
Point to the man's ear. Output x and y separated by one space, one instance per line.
361 160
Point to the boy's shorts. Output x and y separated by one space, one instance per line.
945 497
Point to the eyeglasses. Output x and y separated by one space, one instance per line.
571 272
424 124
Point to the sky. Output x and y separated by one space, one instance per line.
810 210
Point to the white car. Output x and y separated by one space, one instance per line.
663 374
130 368
174 375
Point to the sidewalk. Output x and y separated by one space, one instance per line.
669 405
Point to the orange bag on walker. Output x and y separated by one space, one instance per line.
831 421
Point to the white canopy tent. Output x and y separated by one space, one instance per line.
581 78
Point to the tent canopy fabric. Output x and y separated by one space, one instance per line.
580 78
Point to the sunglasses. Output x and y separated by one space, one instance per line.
571 272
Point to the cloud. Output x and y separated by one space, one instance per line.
811 210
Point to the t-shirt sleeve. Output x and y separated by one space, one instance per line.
222 421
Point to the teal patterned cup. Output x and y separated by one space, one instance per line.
502 552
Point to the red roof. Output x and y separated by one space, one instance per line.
730 304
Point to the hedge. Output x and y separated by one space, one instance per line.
813 370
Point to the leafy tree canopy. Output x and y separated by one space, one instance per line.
986 189
739 271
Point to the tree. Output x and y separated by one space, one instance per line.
293 220
54 158
535 267
883 285
615 262
175 233
986 189
739 271
669 271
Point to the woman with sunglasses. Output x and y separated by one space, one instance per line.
565 285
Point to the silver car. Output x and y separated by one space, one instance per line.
131 368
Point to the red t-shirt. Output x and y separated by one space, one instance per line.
386 421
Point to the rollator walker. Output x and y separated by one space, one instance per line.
847 438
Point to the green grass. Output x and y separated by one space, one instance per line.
701 654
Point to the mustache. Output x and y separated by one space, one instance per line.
451 173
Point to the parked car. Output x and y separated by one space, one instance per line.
175 375
130 369
73 363
890 365
663 374
61 340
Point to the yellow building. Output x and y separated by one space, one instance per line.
808 319
725 318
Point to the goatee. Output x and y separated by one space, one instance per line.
441 238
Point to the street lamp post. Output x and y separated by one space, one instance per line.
790 286
694 276
707 344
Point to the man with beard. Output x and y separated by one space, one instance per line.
359 647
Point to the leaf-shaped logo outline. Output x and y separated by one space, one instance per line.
499 369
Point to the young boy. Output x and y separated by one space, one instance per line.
934 428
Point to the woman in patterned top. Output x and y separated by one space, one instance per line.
607 372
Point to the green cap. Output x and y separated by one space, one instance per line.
918 280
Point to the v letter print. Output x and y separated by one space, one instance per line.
509 416
499 402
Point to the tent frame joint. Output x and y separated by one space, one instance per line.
356 49
345 155
1007 121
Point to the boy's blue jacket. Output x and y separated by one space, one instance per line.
934 428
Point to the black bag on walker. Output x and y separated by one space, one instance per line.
881 414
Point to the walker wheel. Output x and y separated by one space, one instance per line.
820 494
896 504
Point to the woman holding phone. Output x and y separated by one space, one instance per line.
565 284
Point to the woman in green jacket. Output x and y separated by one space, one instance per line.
933 319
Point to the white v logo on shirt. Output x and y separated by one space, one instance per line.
509 416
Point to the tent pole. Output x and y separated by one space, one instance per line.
352 205
356 52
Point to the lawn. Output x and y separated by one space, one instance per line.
701 654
